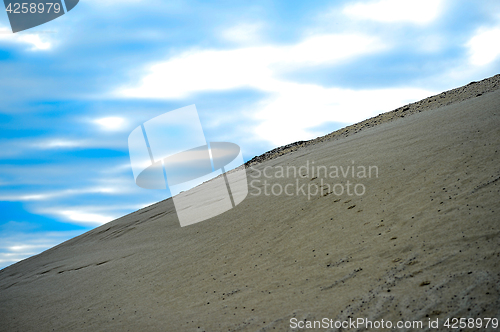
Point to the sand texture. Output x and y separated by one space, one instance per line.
422 242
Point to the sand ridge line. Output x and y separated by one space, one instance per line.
471 90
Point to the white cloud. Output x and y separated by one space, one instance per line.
243 33
23 146
91 216
292 109
254 67
484 46
111 123
292 114
85 218
60 143
19 245
201 71
389 11
28 197
35 41
24 247
117 189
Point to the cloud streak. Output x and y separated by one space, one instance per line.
254 67
393 11
35 42
482 49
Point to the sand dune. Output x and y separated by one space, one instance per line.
421 242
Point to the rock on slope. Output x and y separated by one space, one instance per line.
421 242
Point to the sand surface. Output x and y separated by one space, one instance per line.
422 242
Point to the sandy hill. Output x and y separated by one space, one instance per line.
418 238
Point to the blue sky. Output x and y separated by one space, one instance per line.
261 73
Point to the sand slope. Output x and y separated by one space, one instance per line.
423 241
